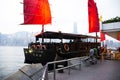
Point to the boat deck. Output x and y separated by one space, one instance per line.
105 70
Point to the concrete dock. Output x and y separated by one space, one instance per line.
27 72
105 70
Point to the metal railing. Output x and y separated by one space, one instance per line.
45 74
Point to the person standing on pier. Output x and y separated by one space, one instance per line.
103 53
92 54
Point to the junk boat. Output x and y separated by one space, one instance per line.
56 45
53 45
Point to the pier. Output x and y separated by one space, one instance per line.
103 70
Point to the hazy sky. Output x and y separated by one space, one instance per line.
64 13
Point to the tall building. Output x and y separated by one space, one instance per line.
75 28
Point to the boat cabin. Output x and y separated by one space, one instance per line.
65 45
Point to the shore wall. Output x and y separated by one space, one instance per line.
28 72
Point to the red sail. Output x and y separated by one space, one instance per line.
102 36
93 17
37 12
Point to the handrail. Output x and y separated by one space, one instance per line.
63 60
45 74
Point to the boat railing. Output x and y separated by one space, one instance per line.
69 65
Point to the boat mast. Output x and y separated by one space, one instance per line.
42 33
96 36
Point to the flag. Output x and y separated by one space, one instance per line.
36 12
100 19
93 16
102 36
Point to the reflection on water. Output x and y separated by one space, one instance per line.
11 59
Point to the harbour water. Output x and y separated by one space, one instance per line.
11 59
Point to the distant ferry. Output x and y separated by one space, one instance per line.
58 45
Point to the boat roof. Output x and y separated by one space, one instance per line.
60 35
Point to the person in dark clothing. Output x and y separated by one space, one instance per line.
98 53
92 54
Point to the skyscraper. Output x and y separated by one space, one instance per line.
75 28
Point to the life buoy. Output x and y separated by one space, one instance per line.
66 47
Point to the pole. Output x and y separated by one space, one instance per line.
42 33
54 76
102 43
101 26
96 40
96 37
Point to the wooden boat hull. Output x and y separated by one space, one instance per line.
39 56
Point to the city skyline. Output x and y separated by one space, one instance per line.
64 13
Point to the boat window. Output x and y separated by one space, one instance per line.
91 40
56 40
50 40
66 40
47 40
84 40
